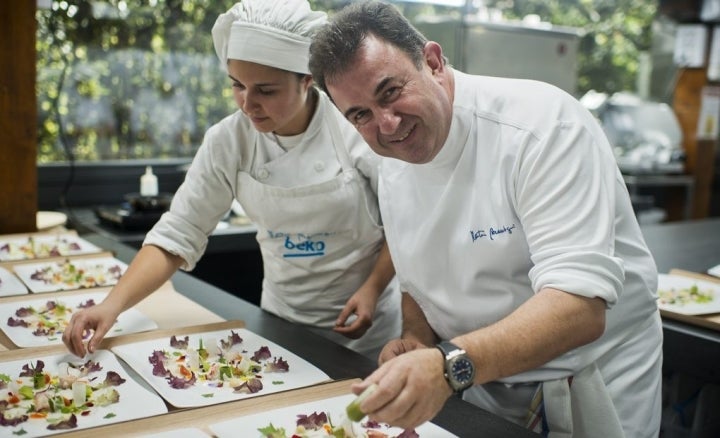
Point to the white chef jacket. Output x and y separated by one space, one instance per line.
526 194
233 152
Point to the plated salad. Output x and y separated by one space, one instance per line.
78 274
218 365
36 247
685 295
59 400
49 320
318 425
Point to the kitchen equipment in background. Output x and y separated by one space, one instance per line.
526 49
158 203
140 211
137 213
645 136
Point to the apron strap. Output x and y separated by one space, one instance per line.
575 407
338 141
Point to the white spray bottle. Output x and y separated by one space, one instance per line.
148 183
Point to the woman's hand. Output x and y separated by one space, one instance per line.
362 306
95 321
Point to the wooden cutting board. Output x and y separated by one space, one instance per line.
201 418
707 321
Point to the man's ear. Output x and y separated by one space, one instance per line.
434 56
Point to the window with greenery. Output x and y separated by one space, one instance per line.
122 79
138 79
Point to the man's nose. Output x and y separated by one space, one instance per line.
387 121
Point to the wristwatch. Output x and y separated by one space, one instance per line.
459 369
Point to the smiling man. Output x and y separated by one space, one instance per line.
399 118
525 276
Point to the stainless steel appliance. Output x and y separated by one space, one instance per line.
508 49
646 136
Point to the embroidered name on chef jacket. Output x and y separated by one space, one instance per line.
302 245
492 233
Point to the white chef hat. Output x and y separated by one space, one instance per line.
270 32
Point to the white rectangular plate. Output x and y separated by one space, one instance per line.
135 401
301 373
43 246
668 282
715 270
334 407
179 433
91 264
10 284
130 321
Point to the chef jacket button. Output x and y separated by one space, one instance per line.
263 173
319 166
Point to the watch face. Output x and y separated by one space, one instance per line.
462 370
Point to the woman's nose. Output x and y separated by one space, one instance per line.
247 103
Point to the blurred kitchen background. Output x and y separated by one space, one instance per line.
114 86
126 83
94 91
119 85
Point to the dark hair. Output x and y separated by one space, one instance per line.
334 46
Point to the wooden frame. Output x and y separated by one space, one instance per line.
18 117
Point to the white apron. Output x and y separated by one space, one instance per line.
319 243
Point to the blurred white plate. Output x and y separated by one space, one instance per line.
97 267
179 433
50 219
10 284
715 270
44 246
334 407
667 283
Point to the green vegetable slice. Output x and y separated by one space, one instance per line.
353 411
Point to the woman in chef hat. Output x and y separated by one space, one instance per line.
302 174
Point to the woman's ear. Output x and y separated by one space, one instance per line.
307 81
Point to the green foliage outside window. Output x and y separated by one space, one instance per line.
132 79
123 79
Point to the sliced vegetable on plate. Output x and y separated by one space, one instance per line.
41 322
56 393
71 274
212 367
44 246
320 418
